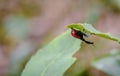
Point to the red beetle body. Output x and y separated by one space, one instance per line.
79 35
73 33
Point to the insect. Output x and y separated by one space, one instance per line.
80 35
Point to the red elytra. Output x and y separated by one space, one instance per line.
79 35
73 33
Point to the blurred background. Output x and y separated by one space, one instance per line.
27 25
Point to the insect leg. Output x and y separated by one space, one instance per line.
88 42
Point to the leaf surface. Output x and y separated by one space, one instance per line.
88 28
55 58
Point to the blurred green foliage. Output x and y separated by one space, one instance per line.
109 63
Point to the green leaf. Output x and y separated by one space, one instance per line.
55 58
89 29
109 63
